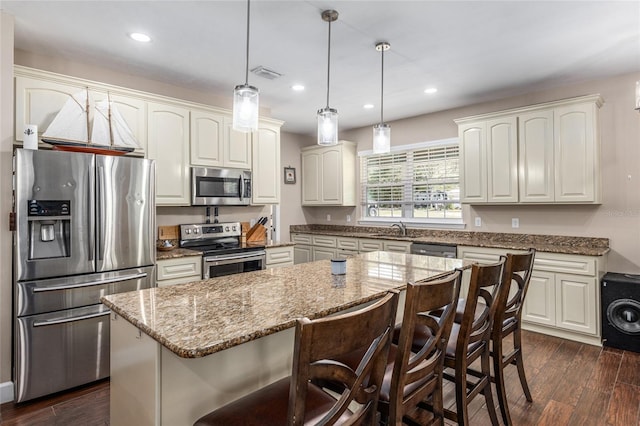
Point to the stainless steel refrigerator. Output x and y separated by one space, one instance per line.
85 227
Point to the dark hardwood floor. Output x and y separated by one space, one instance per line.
571 384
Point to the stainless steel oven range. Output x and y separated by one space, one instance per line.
222 251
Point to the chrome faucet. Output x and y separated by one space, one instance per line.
401 227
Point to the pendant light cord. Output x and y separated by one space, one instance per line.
328 63
382 88
246 73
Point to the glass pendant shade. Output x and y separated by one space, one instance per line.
381 138
245 108
327 126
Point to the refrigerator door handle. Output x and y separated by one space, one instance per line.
91 218
100 212
67 320
91 283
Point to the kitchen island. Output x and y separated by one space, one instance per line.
179 352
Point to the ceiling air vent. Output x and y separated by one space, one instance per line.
266 73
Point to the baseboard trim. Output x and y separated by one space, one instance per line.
6 392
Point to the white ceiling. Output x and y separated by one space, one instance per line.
472 51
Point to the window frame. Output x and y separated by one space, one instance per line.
407 207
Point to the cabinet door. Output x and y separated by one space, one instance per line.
237 147
540 301
502 160
169 146
536 152
207 133
473 167
322 253
576 303
39 101
331 176
311 178
266 165
133 110
302 254
576 168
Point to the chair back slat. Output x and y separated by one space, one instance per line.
517 275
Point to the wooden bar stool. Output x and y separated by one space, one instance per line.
415 375
508 316
470 340
295 400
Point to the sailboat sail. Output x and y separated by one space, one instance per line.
110 133
71 122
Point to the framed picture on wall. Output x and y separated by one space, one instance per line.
289 175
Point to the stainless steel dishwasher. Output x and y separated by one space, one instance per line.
432 249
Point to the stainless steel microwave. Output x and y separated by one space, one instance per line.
220 187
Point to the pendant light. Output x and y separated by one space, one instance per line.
328 117
245 97
382 131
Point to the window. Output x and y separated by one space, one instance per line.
420 184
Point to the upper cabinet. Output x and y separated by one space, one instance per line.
266 163
40 95
329 175
169 146
547 153
214 143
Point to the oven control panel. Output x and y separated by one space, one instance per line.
210 231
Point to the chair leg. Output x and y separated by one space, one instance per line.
486 371
462 412
517 343
498 371
437 407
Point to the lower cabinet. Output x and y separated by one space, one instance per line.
178 270
563 297
278 257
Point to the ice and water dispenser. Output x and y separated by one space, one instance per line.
49 229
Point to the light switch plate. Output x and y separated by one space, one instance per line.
328 218
478 221
515 222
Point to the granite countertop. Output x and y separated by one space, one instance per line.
200 318
182 252
587 246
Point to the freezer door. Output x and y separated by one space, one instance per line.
125 212
54 204
54 294
60 350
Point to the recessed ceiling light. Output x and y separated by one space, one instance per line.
140 37
367 106
430 90
297 87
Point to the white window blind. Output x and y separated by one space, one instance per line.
421 184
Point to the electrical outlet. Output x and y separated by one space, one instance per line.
478 221
348 218
328 218
515 222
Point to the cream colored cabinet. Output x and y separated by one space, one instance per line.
277 257
563 298
329 175
302 252
366 245
40 95
266 164
133 110
169 146
397 246
38 100
178 270
215 144
323 253
547 153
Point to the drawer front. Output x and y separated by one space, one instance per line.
279 255
301 238
323 241
179 268
347 243
370 245
480 254
397 246
565 263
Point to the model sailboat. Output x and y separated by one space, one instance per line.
69 130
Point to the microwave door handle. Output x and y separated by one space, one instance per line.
241 187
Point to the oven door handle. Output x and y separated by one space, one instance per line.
91 283
225 260
68 320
